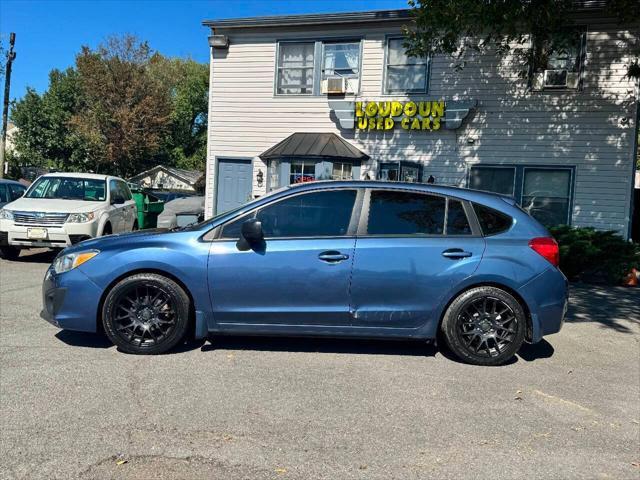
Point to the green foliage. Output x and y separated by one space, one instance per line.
453 27
121 109
593 255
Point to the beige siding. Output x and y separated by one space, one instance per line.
592 130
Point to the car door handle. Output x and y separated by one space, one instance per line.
456 253
332 256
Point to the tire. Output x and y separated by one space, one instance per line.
484 326
9 253
146 314
106 230
135 227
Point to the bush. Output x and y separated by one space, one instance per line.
596 256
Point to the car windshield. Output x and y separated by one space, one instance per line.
68 188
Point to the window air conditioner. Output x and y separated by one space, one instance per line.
334 85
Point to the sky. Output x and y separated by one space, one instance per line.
49 33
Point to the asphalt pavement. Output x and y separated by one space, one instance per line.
72 406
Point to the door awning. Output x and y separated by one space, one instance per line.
314 145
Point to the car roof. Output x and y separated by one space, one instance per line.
13 182
95 176
463 193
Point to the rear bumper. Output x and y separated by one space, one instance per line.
547 296
70 300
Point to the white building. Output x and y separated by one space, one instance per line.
561 141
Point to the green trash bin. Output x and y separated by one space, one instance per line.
149 207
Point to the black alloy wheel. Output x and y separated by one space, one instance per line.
485 326
146 314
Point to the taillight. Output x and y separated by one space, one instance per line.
548 248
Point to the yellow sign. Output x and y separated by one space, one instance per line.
410 115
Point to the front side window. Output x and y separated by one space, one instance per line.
302 172
405 213
68 188
404 74
295 70
317 214
493 179
341 60
546 195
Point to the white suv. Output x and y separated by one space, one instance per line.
61 209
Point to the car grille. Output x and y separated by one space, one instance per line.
39 218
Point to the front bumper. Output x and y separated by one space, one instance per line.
70 300
59 236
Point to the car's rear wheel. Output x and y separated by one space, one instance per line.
146 313
9 253
484 326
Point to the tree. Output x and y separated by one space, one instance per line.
45 136
187 82
126 111
453 27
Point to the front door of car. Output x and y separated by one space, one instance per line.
298 277
412 248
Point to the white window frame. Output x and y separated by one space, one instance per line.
427 66
279 68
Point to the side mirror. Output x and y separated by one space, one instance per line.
251 234
252 231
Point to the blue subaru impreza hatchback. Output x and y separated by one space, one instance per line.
361 259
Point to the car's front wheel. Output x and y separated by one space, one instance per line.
484 326
146 313
9 253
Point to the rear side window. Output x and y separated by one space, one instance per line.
405 213
491 221
457 223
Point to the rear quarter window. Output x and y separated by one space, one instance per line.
492 222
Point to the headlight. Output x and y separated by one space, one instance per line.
6 214
64 263
80 217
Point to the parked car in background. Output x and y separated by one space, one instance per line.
427 259
62 209
181 212
10 190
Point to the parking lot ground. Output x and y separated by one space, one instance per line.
72 406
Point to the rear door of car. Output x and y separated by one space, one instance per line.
412 248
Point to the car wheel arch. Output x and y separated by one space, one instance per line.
496 284
130 273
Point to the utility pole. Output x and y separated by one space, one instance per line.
11 55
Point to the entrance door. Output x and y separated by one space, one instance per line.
234 183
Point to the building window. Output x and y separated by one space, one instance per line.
302 172
295 71
342 171
400 172
404 74
341 60
493 179
545 193
559 69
